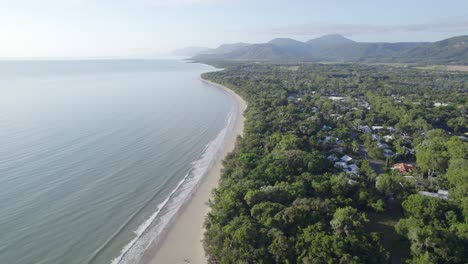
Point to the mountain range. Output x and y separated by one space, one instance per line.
338 48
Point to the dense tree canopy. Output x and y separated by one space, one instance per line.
281 200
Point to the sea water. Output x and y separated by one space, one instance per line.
97 156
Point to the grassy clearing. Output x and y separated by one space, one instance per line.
291 68
458 68
384 224
433 67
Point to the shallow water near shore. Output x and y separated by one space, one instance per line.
96 156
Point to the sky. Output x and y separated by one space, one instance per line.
150 28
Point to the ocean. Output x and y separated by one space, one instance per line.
97 156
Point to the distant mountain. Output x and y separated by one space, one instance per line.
226 48
288 43
360 51
338 48
190 51
329 40
276 49
449 51
290 47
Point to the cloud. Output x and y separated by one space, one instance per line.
364 29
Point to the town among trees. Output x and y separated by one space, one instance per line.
344 163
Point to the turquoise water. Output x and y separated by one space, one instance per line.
97 156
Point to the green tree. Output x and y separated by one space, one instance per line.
346 220
367 170
431 154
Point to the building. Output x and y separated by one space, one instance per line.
388 153
388 138
332 158
352 169
375 137
382 145
341 164
403 168
365 129
441 194
346 158
337 98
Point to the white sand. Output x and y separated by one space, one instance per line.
182 242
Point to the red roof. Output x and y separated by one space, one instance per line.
403 167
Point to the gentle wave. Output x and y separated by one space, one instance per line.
150 230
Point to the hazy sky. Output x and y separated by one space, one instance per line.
69 28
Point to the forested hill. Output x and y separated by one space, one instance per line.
338 48
311 180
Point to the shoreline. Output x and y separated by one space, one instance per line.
181 243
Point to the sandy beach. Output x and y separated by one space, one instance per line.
182 242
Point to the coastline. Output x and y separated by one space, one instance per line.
182 239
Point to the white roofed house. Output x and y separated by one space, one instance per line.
341 164
388 138
382 145
337 98
346 158
441 194
352 169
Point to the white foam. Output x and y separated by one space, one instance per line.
149 231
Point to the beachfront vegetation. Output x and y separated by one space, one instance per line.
311 180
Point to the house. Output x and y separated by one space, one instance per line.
388 138
375 137
388 153
377 127
403 168
340 164
337 98
346 158
441 194
332 158
365 129
382 145
337 150
364 104
336 116
353 168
